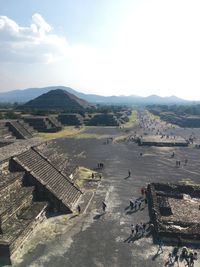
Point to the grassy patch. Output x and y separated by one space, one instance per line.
68 131
90 135
188 181
85 175
121 138
132 119
153 117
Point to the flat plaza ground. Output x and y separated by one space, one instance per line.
96 239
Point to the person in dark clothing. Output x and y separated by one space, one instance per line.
104 206
131 204
79 209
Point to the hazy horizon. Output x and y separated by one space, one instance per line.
103 47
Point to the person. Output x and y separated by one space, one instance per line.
92 175
129 173
160 245
139 204
169 260
137 229
132 229
143 228
131 204
184 253
191 259
79 209
176 259
142 191
136 204
104 206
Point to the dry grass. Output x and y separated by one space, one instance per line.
84 175
188 181
132 119
68 131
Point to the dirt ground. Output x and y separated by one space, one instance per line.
95 238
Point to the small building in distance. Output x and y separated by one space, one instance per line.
162 140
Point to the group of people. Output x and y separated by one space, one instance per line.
139 229
189 256
135 204
100 165
178 162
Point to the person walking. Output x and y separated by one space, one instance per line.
160 245
131 204
132 229
176 260
79 209
139 204
136 229
104 206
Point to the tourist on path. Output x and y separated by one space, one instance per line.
139 204
137 229
131 204
79 209
160 245
176 260
104 206
132 229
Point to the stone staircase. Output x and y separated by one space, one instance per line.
19 130
54 122
18 213
53 186
4 131
42 124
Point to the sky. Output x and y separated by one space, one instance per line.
107 47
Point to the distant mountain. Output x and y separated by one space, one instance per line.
57 100
22 96
163 100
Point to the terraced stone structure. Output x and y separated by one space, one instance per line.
30 186
103 120
5 134
175 211
44 123
70 119
15 129
20 129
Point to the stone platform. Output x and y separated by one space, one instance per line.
160 140
174 210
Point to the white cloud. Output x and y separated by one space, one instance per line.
35 43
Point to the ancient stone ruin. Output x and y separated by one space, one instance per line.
43 123
175 211
31 185
160 140
15 129
70 119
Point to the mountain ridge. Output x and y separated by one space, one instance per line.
25 95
